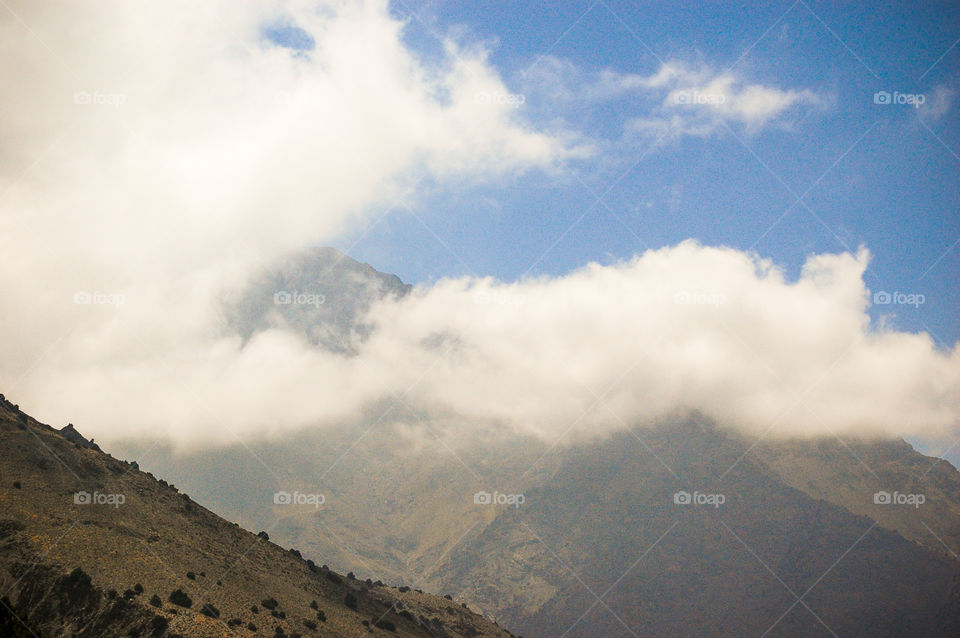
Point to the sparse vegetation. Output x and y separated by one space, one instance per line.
269 603
350 600
209 610
383 623
179 598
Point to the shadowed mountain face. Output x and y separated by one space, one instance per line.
320 293
90 546
599 546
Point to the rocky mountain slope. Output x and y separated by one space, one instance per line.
92 546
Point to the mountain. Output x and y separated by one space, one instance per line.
92 546
320 293
812 537
592 518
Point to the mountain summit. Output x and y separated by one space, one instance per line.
320 293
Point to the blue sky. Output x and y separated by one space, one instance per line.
835 173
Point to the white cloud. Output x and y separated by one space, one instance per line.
227 152
682 328
677 99
164 151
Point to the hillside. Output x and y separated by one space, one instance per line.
591 510
92 546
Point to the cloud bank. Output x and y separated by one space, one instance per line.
157 156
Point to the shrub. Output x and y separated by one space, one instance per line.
351 576
263 535
276 613
251 627
210 610
383 623
159 625
309 624
406 614
269 603
138 589
403 589
321 616
155 601
177 597
234 622
191 576
16 484
313 604
129 594
332 577
350 600
254 609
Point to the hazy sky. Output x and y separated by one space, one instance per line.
612 213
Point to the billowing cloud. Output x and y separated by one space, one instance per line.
156 157
158 154
685 328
